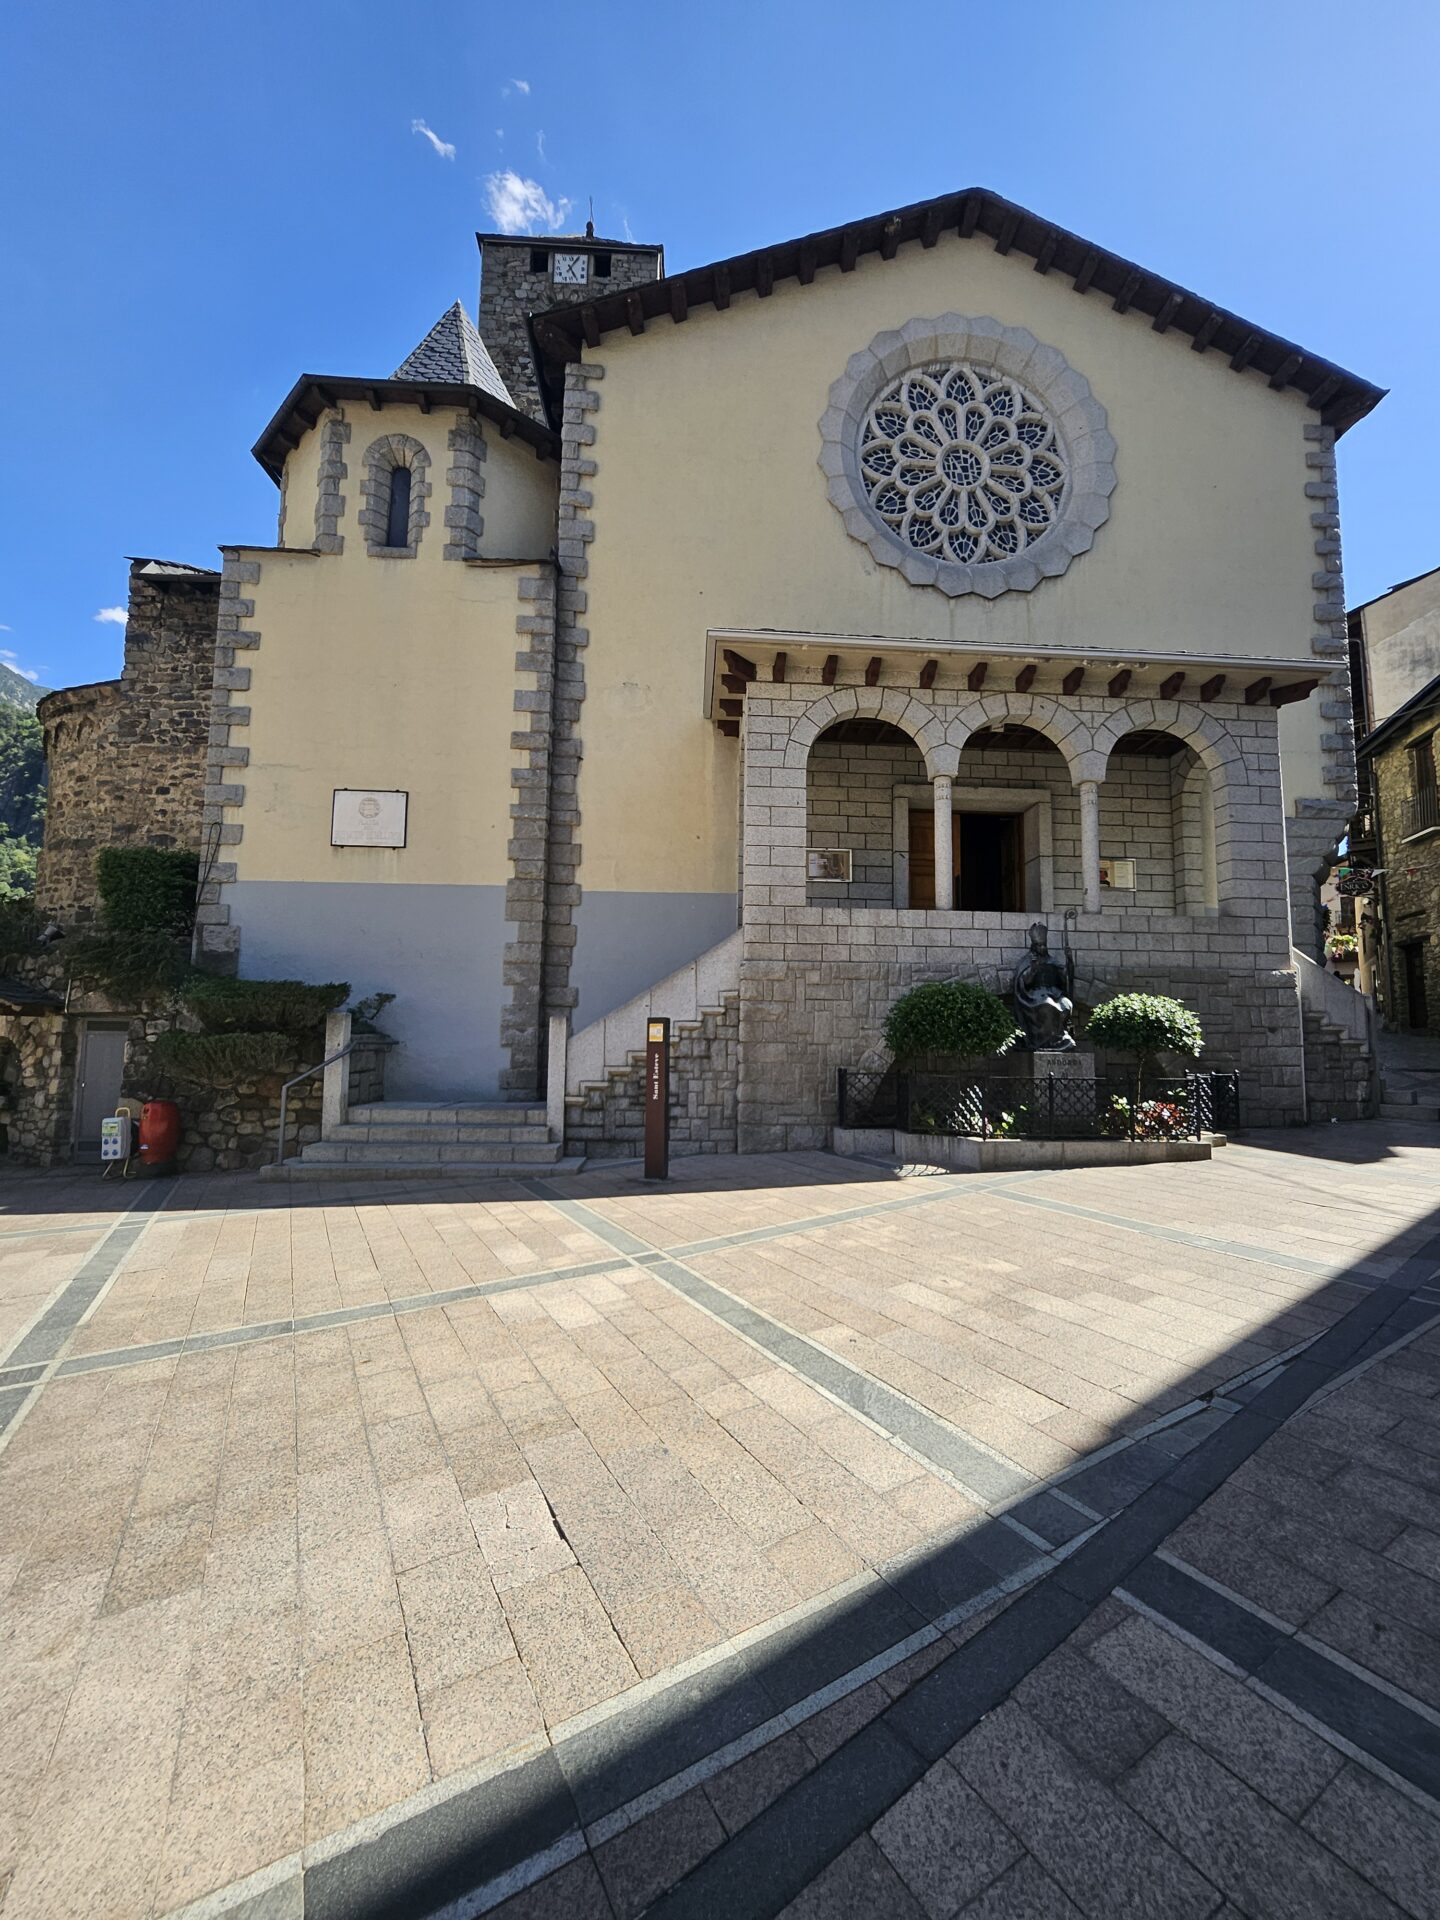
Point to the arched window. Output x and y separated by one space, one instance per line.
397 524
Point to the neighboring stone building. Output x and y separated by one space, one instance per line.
126 758
1400 756
748 644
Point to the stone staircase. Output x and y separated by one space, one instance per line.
407 1140
1408 1103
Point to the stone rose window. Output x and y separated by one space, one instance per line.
968 455
961 463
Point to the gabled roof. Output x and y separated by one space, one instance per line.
1411 709
315 393
453 351
1341 398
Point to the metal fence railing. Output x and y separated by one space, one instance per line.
1041 1106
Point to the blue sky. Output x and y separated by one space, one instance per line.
203 201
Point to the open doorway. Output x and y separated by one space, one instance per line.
988 857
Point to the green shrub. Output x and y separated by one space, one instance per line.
1145 1024
147 889
948 1016
130 967
261 1006
221 1059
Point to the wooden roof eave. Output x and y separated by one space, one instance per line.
1340 397
313 394
850 660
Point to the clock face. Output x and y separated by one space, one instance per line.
570 269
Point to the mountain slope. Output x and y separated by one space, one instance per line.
16 690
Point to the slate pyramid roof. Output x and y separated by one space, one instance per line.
453 353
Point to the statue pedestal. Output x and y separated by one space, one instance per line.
1067 1064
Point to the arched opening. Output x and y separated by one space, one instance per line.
856 775
1157 825
397 514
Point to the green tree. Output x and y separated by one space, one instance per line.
22 773
1145 1024
17 867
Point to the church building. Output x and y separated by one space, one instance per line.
751 642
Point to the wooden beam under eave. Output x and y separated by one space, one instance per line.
765 276
1170 686
732 708
1009 227
634 313
806 262
737 663
1256 692
376 403
1073 680
975 679
969 214
1244 353
1128 290
507 428
1119 683
890 237
1206 331
1286 371
1326 391
732 683
1085 273
1302 690
1025 678
777 667
928 673
1169 307
422 400
1045 255
589 325
730 728
849 250
829 670
679 301
872 670
1212 688
722 287
930 227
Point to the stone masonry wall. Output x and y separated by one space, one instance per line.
608 1123
1411 883
1340 1078
850 795
37 1079
127 758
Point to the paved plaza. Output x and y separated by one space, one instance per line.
801 1536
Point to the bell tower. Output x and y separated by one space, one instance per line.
521 274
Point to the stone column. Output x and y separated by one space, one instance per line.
944 842
1090 843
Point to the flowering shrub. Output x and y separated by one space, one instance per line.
1154 1119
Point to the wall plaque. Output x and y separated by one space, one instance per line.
828 863
368 817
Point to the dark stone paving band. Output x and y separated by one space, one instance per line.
768 1863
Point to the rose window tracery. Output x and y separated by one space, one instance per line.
962 463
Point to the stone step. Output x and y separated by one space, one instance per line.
410 1113
1407 1110
482 1135
303 1170
376 1153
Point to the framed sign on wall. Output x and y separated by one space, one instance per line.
828 863
368 817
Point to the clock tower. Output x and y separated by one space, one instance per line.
521 274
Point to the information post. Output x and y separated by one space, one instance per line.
657 1099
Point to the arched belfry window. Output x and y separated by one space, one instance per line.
395 489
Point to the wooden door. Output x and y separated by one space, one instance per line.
922 857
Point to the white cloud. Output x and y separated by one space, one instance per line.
540 143
500 135
112 616
625 225
443 147
12 660
520 86
518 205
5 653
4 628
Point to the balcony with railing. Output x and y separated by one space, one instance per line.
1420 813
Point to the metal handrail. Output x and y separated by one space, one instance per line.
309 1073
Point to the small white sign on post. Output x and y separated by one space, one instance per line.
368 817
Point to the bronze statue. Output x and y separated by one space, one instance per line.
1043 993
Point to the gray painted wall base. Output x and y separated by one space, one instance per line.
624 942
439 950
